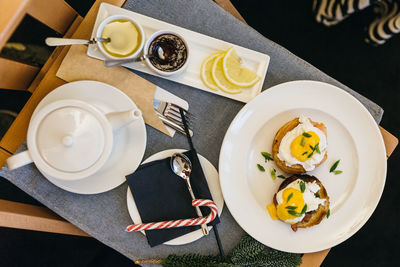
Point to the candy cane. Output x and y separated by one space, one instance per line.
179 223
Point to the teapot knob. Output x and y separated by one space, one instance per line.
68 141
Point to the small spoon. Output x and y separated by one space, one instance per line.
181 166
116 62
54 41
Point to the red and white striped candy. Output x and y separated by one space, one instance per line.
179 223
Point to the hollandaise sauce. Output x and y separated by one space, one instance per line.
125 38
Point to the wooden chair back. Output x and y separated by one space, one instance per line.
56 14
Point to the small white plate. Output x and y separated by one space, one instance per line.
212 178
200 46
129 142
353 137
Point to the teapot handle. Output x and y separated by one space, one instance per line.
19 160
119 120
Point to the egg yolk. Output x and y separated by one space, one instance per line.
292 201
272 211
301 145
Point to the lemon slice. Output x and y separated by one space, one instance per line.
234 73
205 72
217 73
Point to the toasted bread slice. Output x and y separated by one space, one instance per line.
314 217
297 168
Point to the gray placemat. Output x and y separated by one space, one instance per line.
104 216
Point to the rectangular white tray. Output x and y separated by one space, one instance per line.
200 46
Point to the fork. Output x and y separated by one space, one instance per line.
169 113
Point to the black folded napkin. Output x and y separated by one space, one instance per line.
161 195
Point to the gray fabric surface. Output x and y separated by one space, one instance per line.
104 216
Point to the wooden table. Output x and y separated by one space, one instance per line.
37 218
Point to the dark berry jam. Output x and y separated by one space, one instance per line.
173 55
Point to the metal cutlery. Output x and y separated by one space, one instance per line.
169 113
182 166
54 41
173 125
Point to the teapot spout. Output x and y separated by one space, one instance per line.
119 120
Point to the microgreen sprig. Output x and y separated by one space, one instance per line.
333 168
261 168
273 173
289 197
302 186
267 156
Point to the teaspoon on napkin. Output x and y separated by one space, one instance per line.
181 166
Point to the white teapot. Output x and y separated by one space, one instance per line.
71 139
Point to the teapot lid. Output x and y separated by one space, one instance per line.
71 137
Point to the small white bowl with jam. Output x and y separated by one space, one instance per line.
126 37
166 53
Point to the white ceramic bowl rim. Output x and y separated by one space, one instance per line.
43 166
116 17
146 50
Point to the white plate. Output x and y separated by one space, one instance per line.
212 178
200 47
353 137
129 142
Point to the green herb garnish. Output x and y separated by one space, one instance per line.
302 186
337 172
334 166
304 209
281 176
317 195
267 156
289 197
307 135
261 168
317 148
291 207
273 173
292 212
313 149
328 214
303 141
304 153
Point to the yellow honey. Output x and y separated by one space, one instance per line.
125 38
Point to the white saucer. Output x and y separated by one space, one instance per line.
212 178
129 142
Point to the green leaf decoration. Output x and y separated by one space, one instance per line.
292 212
267 156
281 176
289 197
303 141
302 186
307 135
334 166
291 207
317 148
248 253
337 172
261 168
273 174
195 260
304 209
